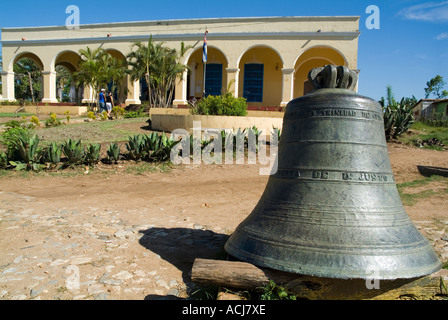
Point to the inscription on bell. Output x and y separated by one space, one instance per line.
364 176
369 115
320 175
334 112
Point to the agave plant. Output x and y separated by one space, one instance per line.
162 148
398 117
136 147
74 151
92 153
53 153
27 150
113 152
3 160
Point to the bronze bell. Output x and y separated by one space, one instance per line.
332 209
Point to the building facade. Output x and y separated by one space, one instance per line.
265 60
431 109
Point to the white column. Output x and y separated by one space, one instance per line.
193 80
7 86
232 80
287 86
49 87
133 92
181 90
88 95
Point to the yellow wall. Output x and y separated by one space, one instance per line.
197 67
272 75
232 41
313 58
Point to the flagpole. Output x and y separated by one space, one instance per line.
204 61
205 68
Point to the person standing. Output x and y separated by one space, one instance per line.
102 101
109 104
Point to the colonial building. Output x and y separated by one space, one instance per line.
266 60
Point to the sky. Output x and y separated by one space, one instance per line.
407 47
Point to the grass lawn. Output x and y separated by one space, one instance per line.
419 132
14 115
94 132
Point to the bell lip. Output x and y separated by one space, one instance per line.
333 273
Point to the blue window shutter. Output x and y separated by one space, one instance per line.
213 79
253 82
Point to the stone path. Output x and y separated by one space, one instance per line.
91 253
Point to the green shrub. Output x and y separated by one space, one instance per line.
53 121
226 105
67 116
91 115
118 112
136 114
35 120
103 115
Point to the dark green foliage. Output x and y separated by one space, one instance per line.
437 120
24 70
273 291
226 105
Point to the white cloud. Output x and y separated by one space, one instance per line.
431 11
442 36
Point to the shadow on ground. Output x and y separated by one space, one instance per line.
180 247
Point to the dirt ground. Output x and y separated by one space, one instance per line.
110 235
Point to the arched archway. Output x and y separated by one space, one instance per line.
260 76
118 86
27 69
65 64
215 73
312 58
27 55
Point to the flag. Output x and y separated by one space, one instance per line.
204 48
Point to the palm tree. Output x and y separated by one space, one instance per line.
114 73
159 66
98 68
90 70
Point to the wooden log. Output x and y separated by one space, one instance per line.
242 275
235 274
